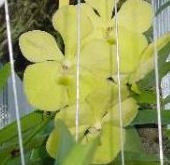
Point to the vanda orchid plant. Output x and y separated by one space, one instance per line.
50 83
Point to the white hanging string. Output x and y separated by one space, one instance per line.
155 37
168 18
159 25
119 83
10 48
78 69
165 27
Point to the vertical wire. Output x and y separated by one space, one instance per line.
78 69
165 18
168 17
10 48
119 83
157 90
159 25
161 20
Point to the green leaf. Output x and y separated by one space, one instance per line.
145 97
39 156
134 158
29 121
81 154
150 117
14 160
4 74
32 139
34 134
110 143
133 141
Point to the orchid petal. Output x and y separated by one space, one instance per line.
92 109
86 117
59 136
39 46
103 99
160 43
103 54
53 140
110 144
136 15
96 56
87 84
65 21
129 112
50 86
104 7
147 58
95 19
100 27
63 3
131 46
44 88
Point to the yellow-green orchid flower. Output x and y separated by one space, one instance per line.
136 55
134 17
110 142
50 83
99 109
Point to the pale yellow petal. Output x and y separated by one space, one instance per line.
39 46
131 45
136 15
87 84
68 115
124 78
65 21
63 3
94 107
104 8
97 57
110 144
57 138
88 10
103 99
160 43
129 109
44 86
53 140
147 58
100 27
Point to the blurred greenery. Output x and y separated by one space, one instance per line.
4 74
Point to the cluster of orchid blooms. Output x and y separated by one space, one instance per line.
50 81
